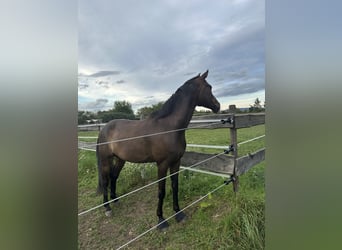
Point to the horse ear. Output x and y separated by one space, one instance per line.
205 74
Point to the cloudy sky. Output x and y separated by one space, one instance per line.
142 51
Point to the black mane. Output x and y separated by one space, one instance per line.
169 105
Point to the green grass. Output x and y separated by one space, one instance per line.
224 220
222 137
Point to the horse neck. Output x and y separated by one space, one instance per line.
182 114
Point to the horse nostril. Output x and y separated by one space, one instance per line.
217 104
217 107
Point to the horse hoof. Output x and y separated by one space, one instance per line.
108 213
163 225
180 217
116 202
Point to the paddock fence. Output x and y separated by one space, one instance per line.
228 164
225 164
231 164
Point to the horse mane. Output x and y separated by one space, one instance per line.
169 105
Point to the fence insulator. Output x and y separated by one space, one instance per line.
231 179
229 120
229 149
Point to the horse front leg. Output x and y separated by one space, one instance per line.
162 223
180 216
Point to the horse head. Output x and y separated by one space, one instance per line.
206 97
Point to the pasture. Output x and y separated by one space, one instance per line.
224 220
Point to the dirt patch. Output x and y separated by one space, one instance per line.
131 216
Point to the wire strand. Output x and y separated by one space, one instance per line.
190 145
253 139
150 184
154 182
153 134
155 226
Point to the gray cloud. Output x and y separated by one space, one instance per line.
83 85
237 74
157 45
235 89
104 73
169 35
103 83
190 74
147 101
223 77
98 104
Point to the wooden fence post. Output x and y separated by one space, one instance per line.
233 138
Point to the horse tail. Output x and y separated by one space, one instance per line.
99 186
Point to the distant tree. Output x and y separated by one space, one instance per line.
201 112
256 107
83 116
237 110
147 110
109 115
121 110
82 119
123 107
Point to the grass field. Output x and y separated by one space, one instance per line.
224 220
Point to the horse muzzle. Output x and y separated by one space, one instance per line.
216 106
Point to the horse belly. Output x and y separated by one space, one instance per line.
167 149
137 151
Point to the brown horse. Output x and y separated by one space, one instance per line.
166 149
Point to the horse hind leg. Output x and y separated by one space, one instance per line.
115 170
105 173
